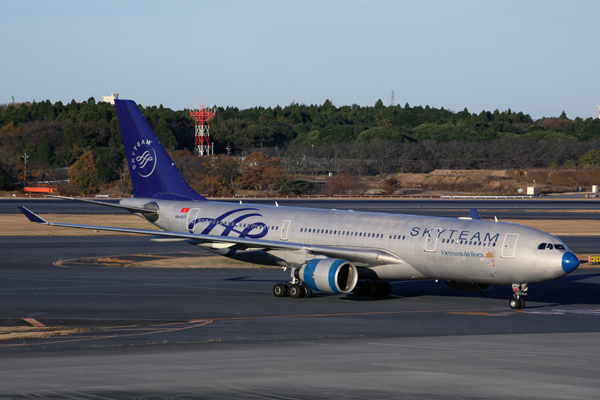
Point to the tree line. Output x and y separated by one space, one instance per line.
305 138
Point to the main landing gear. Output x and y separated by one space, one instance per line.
295 290
519 290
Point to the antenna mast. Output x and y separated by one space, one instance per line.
202 130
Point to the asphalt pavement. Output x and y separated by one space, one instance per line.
220 333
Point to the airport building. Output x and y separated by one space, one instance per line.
110 99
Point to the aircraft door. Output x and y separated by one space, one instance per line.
431 240
192 220
508 247
284 229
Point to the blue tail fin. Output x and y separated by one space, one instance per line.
474 214
153 173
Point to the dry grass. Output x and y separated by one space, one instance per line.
26 332
160 261
198 262
19 225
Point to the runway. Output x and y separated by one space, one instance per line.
209 333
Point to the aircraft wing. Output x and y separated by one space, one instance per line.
365 257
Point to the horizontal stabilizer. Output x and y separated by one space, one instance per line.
103 203
31 216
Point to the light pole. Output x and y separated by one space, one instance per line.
25 157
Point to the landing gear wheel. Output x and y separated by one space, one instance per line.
359 289
373 289
386 289
517 304
307 291
280 290
296 291
519 290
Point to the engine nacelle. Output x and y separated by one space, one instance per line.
469 287
329 275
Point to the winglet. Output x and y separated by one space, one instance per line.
32 217
474 214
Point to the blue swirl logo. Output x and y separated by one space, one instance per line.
255 230
145 163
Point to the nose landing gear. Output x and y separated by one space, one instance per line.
519 290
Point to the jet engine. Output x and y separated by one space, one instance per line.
329 275
468 286
153 215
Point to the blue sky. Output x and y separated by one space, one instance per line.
539 57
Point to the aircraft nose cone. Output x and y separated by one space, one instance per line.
569 262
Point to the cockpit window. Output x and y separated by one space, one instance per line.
559 247
549 246
542 246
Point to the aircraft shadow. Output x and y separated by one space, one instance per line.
580 289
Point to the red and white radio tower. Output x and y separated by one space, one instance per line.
202 139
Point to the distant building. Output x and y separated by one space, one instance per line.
110 99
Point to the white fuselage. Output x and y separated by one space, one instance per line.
484 252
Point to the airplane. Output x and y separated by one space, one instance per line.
331 251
